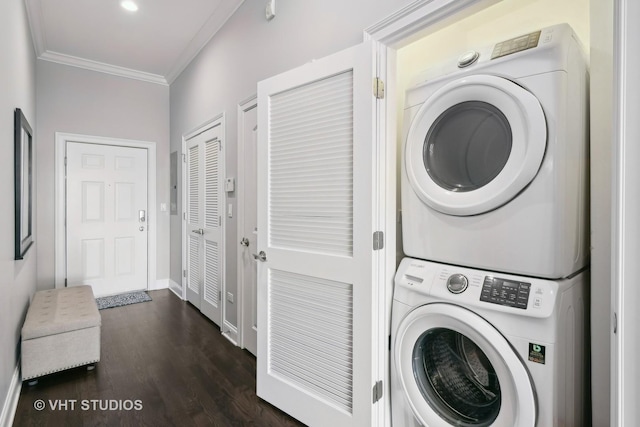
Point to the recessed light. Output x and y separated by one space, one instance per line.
129 5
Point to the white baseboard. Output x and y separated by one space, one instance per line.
176 289
159 284
11 402
230 332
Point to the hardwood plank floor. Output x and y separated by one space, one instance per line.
162 363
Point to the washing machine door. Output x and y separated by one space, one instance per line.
457 369
475 144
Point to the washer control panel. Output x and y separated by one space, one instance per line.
418 282
505 292
457 283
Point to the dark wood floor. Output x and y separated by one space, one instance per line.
168 357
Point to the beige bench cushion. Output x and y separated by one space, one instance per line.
57 311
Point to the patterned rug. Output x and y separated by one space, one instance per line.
122 299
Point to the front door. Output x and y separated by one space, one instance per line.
106 217
204 222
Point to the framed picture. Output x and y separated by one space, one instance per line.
23 172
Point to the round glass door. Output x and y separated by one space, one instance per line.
467 146
456 378
456 369
474 145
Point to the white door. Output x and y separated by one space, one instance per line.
248 222
106 217
316 213
204 222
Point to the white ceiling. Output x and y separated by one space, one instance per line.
153 44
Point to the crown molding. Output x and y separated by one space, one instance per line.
223 12
101 67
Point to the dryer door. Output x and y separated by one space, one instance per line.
475 144
457 369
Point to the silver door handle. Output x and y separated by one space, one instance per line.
244 242
142 216
199 231
261 256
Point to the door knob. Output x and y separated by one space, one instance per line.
141 228
244 242
198 231
261 256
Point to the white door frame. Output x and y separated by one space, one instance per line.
60 243
243 107
407 25
625 239
218 120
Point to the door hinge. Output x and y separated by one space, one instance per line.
184 158
378 240
220 145
377 391
184 273
65 161
219 295
220 221
184 216
378 88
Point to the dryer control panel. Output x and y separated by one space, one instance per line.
516 44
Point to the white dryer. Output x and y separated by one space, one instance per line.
477 348
495 158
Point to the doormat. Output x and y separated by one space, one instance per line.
122 299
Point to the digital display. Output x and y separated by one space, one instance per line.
505 292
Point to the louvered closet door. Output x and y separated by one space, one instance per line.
316 210
204 222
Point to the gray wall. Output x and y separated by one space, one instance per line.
17 278
601 199
249 49
74 100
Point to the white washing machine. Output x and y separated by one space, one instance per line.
478 348
495 158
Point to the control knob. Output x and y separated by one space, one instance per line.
457 283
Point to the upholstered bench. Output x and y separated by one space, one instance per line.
61 331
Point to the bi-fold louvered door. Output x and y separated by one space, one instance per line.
204 199
316 216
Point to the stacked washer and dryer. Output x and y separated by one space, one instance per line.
489 317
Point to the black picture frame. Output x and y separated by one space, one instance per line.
23 173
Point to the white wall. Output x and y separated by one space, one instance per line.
249 49
17 278
74 100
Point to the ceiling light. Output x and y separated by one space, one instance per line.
129 5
